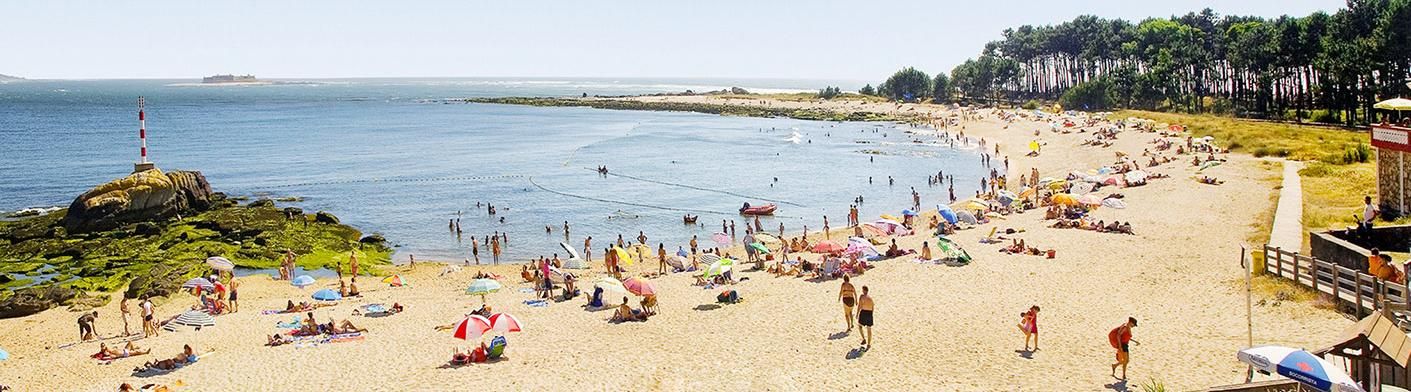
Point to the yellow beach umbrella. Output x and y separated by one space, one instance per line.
970 204
1394 104
1034 145
1064 199
623 257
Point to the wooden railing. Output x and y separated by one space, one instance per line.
1345 285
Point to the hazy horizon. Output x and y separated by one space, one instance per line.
829 40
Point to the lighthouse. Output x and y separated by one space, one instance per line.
144 164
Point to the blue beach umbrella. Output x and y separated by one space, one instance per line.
947 213
302 280
1299 365
908 213
327 295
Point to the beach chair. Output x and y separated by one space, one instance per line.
830 267
497 348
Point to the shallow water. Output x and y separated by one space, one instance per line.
386 157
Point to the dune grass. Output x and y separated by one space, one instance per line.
1264 138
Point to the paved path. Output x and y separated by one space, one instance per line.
1288 218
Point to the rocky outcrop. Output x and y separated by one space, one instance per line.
160 281
324 217
34 300
141 197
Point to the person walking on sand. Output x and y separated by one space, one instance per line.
864 318
1029 325
1120 337
149 322
122 308
661 258
848 295
235 295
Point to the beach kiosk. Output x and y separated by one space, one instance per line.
1393 143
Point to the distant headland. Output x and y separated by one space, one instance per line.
7 78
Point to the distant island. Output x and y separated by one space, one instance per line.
7 78
228 78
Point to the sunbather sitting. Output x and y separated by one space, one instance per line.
626 313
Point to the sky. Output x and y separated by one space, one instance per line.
838 40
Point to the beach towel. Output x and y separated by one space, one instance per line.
291 324
537 303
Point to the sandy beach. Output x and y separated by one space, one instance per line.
938 327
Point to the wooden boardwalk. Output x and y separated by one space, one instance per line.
1356 288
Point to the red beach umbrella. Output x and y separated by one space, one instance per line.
472 328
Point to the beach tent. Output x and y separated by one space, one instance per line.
396 281
946 213
302 280
191 318
967 217
220 264
1299 365
327 295
198 282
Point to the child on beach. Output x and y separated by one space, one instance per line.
1029 324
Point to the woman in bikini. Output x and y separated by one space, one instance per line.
1029 325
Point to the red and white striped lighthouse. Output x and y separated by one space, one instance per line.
144 164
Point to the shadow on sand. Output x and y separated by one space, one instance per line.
1119 386
838 335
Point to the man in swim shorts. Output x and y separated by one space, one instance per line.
864 318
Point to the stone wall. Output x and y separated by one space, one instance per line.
1346 248
1391 182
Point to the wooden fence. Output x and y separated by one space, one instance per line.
1364 292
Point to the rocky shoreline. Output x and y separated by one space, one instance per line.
625 103
145 233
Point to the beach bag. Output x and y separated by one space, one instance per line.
727 296
1114 337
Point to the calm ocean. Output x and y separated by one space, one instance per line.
386 156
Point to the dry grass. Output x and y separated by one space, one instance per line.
1263 138
1332 194
1263 223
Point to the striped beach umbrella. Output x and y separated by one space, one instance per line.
220 264
192 318
504 322
482 287
198 282
396 281
302 280
472 328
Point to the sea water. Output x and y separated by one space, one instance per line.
400 158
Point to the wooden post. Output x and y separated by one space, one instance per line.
1295 268
1358 286
1279 260
1337 288
1315 276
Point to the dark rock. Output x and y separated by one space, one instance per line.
84 302
324 217
5 278
33 300
293 211
147 228
373 239
141 197
162 280
74 253
262 202
56 232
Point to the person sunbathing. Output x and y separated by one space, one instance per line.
342 327
276 340
128 350
1210 180
187 356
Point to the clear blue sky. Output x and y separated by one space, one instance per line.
853 40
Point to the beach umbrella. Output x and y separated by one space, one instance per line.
572 254
1064 199
198 282
1090 200
967 217
1081 188
890 217
869 229
1027 192
639 286
971 204
1300 366
720 238
504 322
765 238
946 213
472 328
4 355
719 267
220 264
827 247
623 258
908 213
327 295
708 258
302 280
575 263
610 285
396 281
191 318
1112 180
1034 145
1394 104
1114 203
861 247
1056 185
759 246
1137 176
676 261
483 286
